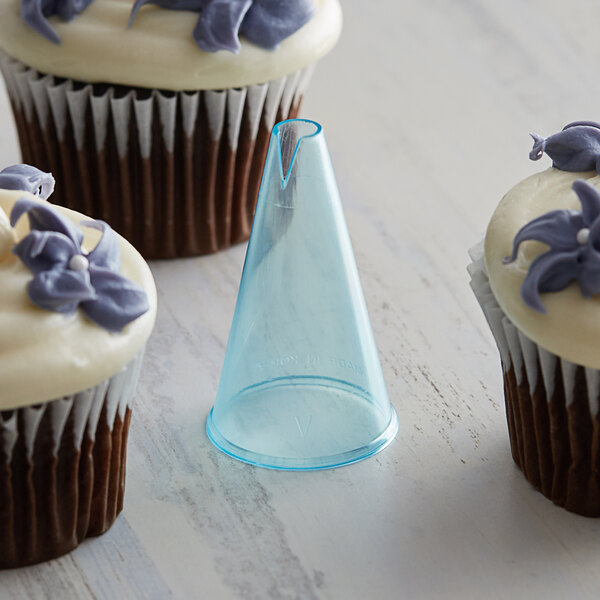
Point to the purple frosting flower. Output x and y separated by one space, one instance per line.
574 240
36 12
27 179
67 278
262 22
575 148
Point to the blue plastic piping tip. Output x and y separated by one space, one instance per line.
301 386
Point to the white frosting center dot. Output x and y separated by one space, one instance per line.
583 235
78 262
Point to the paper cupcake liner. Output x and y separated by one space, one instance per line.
551 409
62 469
176 173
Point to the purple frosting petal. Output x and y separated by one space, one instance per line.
36 12
190 5
27 179
268 22
65 277
575 148
594 240
44 218
590 200
67 9
32 13
60 290
557 228
119 300
550 272
262 22
107 252
218 25
574 240
45 250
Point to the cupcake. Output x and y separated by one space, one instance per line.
160 112
77 304
537 278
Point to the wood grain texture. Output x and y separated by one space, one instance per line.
426 106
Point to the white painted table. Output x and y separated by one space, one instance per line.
426 107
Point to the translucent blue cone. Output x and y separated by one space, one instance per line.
301 386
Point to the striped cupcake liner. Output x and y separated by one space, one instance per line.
551 409
176 173
62 469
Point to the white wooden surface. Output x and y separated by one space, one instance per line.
426 106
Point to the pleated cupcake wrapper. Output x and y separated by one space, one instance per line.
62 469
176 173
551 409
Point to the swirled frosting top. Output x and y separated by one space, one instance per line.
570 328
158 50
43 354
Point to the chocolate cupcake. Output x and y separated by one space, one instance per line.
537 278
167 119
77 305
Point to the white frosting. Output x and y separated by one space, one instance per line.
78 262
115 394
7 235
583 235
518 352
46 355
159 51
571 327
